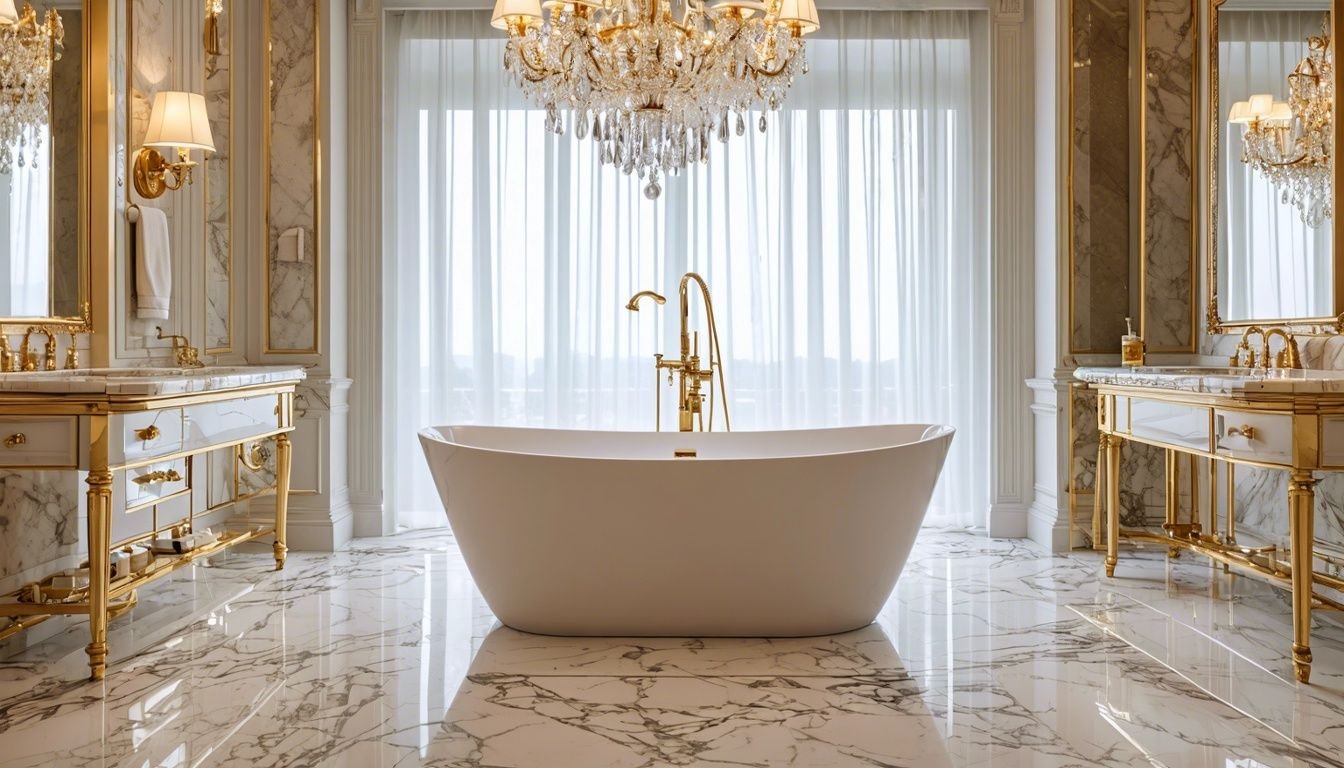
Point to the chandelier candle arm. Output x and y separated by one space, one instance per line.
648 88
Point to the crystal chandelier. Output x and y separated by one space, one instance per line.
27 50
651 89
1291 143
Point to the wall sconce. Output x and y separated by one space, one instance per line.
213 10
177 119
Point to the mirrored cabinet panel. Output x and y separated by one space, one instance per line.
1270 141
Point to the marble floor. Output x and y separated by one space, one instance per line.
990 653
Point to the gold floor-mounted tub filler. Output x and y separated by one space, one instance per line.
1271 415
690 376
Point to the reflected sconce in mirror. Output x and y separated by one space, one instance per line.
177 119
213 10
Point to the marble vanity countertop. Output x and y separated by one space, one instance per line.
1217 381
147 382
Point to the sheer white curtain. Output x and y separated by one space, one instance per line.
1277 266
25 212
845 247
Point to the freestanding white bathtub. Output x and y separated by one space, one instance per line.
761 534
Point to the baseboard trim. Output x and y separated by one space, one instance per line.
1007 521
369 520
1047 528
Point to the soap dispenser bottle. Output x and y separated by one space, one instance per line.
1131 347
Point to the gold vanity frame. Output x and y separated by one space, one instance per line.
1312 417
1333 323
93 418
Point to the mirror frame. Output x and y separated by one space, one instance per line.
82 323
1216 324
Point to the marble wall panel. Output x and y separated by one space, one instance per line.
40 528
292 283
67 83
1168 173
1100 175
218 197
1142 473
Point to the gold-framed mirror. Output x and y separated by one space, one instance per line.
1271 256
44 256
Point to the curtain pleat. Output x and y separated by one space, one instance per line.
845 248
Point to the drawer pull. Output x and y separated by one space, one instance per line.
148 433
18 438
1245 430
159 476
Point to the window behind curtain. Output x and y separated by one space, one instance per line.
845 247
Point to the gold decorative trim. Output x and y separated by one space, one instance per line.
83 323
1213 316
228 54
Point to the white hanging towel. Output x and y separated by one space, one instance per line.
153 265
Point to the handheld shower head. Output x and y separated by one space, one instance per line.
633 303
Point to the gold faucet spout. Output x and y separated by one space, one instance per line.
633 303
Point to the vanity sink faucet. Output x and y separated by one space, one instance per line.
185 355
1288 357
28 358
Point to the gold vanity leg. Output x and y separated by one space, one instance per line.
1301 504
282 465
1111 443
1213 498
1173 501
1098 488
99 528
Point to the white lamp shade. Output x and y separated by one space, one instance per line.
179 119
1241 113
529 10
800 12
8 13
1261 105
1279 115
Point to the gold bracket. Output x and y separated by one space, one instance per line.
252 456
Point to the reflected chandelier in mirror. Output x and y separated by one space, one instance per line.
27 51
1290 143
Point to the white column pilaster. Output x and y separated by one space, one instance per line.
1011 266
365 320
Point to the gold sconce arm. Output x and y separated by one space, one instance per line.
152 172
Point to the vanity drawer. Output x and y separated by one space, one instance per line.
146 434
231 421
39 441
1183 426
151 482
1266 437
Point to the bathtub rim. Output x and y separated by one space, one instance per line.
932 432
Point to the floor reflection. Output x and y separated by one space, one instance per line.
845 700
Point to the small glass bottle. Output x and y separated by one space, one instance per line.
1131 347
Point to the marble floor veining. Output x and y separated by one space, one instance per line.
990 653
